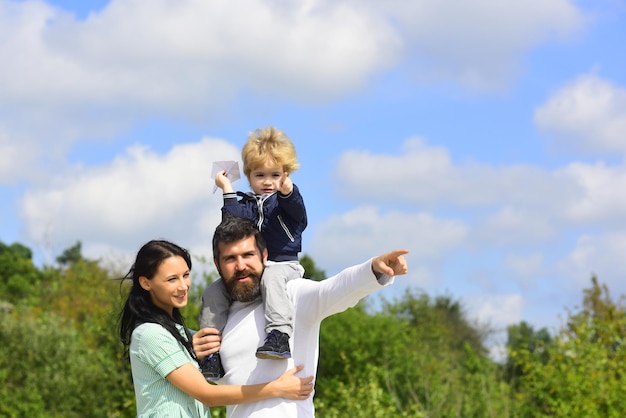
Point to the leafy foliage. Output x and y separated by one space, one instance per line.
71 255
408 360
60 356
20 278
47 369
416 356
524 337
311 271
583 371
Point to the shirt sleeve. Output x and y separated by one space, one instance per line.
293 205
245 207
340 292
158 349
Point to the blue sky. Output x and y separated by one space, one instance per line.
487 137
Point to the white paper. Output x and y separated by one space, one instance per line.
230 167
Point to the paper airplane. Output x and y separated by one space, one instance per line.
230 167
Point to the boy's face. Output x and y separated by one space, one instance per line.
266 178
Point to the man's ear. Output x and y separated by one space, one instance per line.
144 282
265 257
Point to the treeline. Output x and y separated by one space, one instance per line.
416 356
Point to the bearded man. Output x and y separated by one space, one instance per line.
240 254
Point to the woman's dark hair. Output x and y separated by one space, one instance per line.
138 307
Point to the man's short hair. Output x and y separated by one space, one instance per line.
233 229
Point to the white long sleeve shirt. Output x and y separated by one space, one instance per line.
313 302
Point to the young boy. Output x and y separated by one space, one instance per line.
277 208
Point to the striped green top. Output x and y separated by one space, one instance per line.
155 353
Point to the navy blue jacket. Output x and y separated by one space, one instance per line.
281 219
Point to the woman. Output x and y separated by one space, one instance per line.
164 367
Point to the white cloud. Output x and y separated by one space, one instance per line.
64 79
601 202
138 196
426 175
362 172
599 254
480 43
345 239
587 115
516 219
17 158
514 203
190 58
525 266
161 55
513 226
496 310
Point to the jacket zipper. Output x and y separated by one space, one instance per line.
259 202
280 219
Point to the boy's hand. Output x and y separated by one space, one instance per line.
223 182
285 186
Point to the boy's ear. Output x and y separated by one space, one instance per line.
144 282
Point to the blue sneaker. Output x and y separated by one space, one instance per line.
211 367
276 347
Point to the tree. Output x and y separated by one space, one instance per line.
17 249
441 320
413 358
88 299
48 370
585 371
524 337
19 278
71 255
310 269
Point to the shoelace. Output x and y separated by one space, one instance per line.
273 338
208 360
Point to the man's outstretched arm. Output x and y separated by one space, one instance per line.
344 290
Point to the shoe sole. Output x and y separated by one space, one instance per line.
212 378
272 355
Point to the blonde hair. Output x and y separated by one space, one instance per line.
269 145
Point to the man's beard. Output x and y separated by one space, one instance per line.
244 292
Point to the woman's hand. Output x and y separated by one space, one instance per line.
290 386
206 341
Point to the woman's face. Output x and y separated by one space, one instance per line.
170 285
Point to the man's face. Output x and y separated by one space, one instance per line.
241 266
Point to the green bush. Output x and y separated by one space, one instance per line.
416 357
47 370
394 364
585 371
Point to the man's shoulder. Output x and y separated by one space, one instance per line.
299 287
301 282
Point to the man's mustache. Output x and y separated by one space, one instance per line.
242 274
